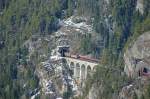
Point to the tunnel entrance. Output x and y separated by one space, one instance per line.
63 50
144 72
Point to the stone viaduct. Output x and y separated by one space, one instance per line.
81 67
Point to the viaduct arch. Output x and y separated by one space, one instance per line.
81 68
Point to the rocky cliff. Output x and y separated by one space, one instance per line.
55 80
137 64
137 56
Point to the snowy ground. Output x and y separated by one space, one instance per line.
34 96
79 26
54 65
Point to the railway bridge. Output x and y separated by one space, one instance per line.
81 66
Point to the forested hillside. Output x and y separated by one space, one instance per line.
120 23
117 22
19 20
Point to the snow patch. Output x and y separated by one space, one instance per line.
140 6
79 26
34 96
59 98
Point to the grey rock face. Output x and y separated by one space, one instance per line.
137 56
140 6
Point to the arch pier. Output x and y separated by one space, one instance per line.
81 68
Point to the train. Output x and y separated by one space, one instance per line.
81 57
72 55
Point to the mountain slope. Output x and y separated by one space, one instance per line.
112 24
